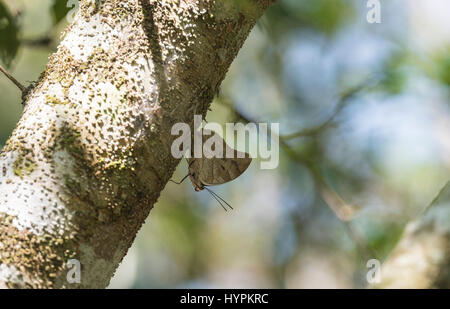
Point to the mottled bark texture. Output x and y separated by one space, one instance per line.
422 257
91 152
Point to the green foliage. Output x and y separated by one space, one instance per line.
59 10
444 66
382 236
321 15
9 42
394 75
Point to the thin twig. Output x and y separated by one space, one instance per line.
11 78
45 41
343 101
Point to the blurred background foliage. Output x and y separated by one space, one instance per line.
364 123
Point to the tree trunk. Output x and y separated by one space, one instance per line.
422 257
91 152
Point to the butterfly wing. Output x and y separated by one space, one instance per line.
216 171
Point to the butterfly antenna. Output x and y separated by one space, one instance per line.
218 201
221 199
179 183
218 198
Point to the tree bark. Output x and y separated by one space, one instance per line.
91 152
422 257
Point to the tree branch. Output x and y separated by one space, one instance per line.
421 259
91 153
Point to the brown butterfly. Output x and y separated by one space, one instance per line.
212 171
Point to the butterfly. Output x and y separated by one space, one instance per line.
210 170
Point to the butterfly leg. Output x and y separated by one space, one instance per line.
181 181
